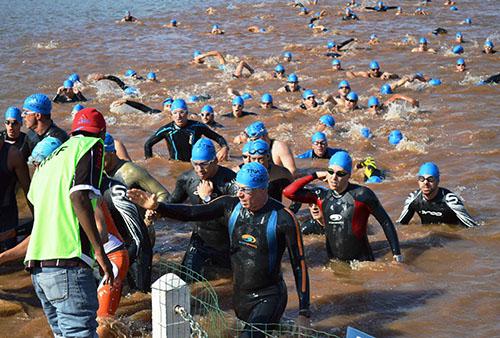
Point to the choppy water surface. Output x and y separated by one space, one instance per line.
449 286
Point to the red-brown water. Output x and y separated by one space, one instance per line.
449 284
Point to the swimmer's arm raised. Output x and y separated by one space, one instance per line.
297 192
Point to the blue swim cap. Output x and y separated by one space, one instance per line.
193 99
238 101
259 146
253 175
453 8
256 129
173 22
488 43
130 73
366 133
266 98
77 108
43 149
422 41
74 77
458 35
207 109
292 78
109 143
151 76
419 9
327 120
398 8
352 96
131 91
304 9
344 83
373 101
330 44
395 137
374 65
342 159
196 53
246 96
68 84
216 26
373 179
335 62
307 94
168 100
178 104
380 4
38 103
460 61
386 89
468 21
279 68
288 55
311 25
404 40
262 30
458 49
373 36
203 150
246 147
429 169
318 136
434 82
13 113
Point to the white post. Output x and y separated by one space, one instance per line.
167 292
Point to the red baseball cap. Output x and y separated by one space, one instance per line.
89 120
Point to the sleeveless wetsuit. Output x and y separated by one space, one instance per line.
258 241
446 207
180 140
209 244
8 204
346 218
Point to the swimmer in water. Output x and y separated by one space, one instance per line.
68 92
123 86
334 48
448 3
129 18
371 173
374 72
336 65
459 38
266 102
151 77
292 84
346 208
374 40
319 148
376 107
200 58
207 116
287 56
116 105
279 71
216 30
237 111
349 15
172 24
434 204
309 100
325 122
343 89
423 47
420 11
488 47
381 7
460 66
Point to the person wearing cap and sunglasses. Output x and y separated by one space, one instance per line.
181 134
209 244
309 100
237 106
434 204
346 208
65 240
292 84
12 134
259 228
320 149
207 116
374 72
37 118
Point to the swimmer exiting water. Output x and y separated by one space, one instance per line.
434 204
374 72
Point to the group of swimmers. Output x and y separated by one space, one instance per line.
240 223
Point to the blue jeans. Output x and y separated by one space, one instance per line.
69 300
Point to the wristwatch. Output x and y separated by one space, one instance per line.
398 258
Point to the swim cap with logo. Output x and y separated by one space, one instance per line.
203 150
253 175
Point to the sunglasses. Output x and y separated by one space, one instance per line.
352 101
323 143
259 151
205 115
245 190
202 164
179 112
429 179
310 97
11 123
345 88
338 173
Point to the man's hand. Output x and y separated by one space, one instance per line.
321 175
107 268
143 199
60 90
149 217
398 258
223 154
205 189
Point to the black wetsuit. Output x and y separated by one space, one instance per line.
129 222
54 131
243 114
492 79
279 178
258 241
180 140
142 107
62 98
312 155
334 54
214 124
8 204
381 9
209 244
288 90
446 207
116 80
312 227
20 143
346 218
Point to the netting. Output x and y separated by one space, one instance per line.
197 313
